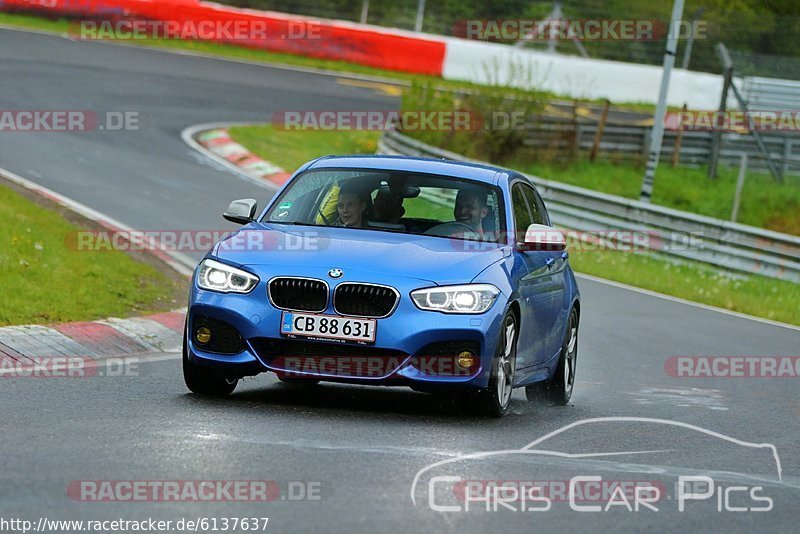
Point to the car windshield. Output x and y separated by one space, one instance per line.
401 202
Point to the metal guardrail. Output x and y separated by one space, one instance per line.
771 93
687 236
561 134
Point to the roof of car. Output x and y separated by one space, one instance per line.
456 169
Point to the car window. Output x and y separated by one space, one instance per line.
392 201
522 215
534 203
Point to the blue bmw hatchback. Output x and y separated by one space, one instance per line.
442 276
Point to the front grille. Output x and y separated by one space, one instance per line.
225 339
337 359
364 300
301 294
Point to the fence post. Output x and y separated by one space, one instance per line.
716 136
575 133
737 196
787 153
420 16
676 149
598 135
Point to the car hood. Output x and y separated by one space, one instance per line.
434 259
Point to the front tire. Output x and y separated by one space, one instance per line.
558 390
497 397
205 381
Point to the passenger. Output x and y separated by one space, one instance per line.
388 207
471 208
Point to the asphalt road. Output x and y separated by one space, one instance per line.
357 450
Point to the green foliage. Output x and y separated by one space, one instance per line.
497 113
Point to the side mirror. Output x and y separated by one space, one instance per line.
539 237
241 211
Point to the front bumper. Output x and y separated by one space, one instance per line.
398 356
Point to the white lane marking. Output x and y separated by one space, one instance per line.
683 397
188 137
35 341
679 300
181 263
151 334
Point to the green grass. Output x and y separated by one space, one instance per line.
45 280
290 149
754 295
765 203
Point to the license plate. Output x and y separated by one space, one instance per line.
328 327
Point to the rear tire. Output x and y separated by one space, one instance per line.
558 390
205 381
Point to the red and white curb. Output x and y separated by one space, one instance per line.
214 141
157 333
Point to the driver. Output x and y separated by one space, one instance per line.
351 205
471 208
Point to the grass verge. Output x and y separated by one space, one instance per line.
46 281
764 203
753 295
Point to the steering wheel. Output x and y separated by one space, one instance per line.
450 228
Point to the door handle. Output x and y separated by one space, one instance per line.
549 262
564 255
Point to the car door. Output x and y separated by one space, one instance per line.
543 287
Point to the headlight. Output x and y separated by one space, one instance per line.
216 276
469 298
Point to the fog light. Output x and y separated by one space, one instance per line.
466 359
203 335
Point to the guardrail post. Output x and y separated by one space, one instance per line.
737 196
716 138
787 153
574 149
676 149
598 135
